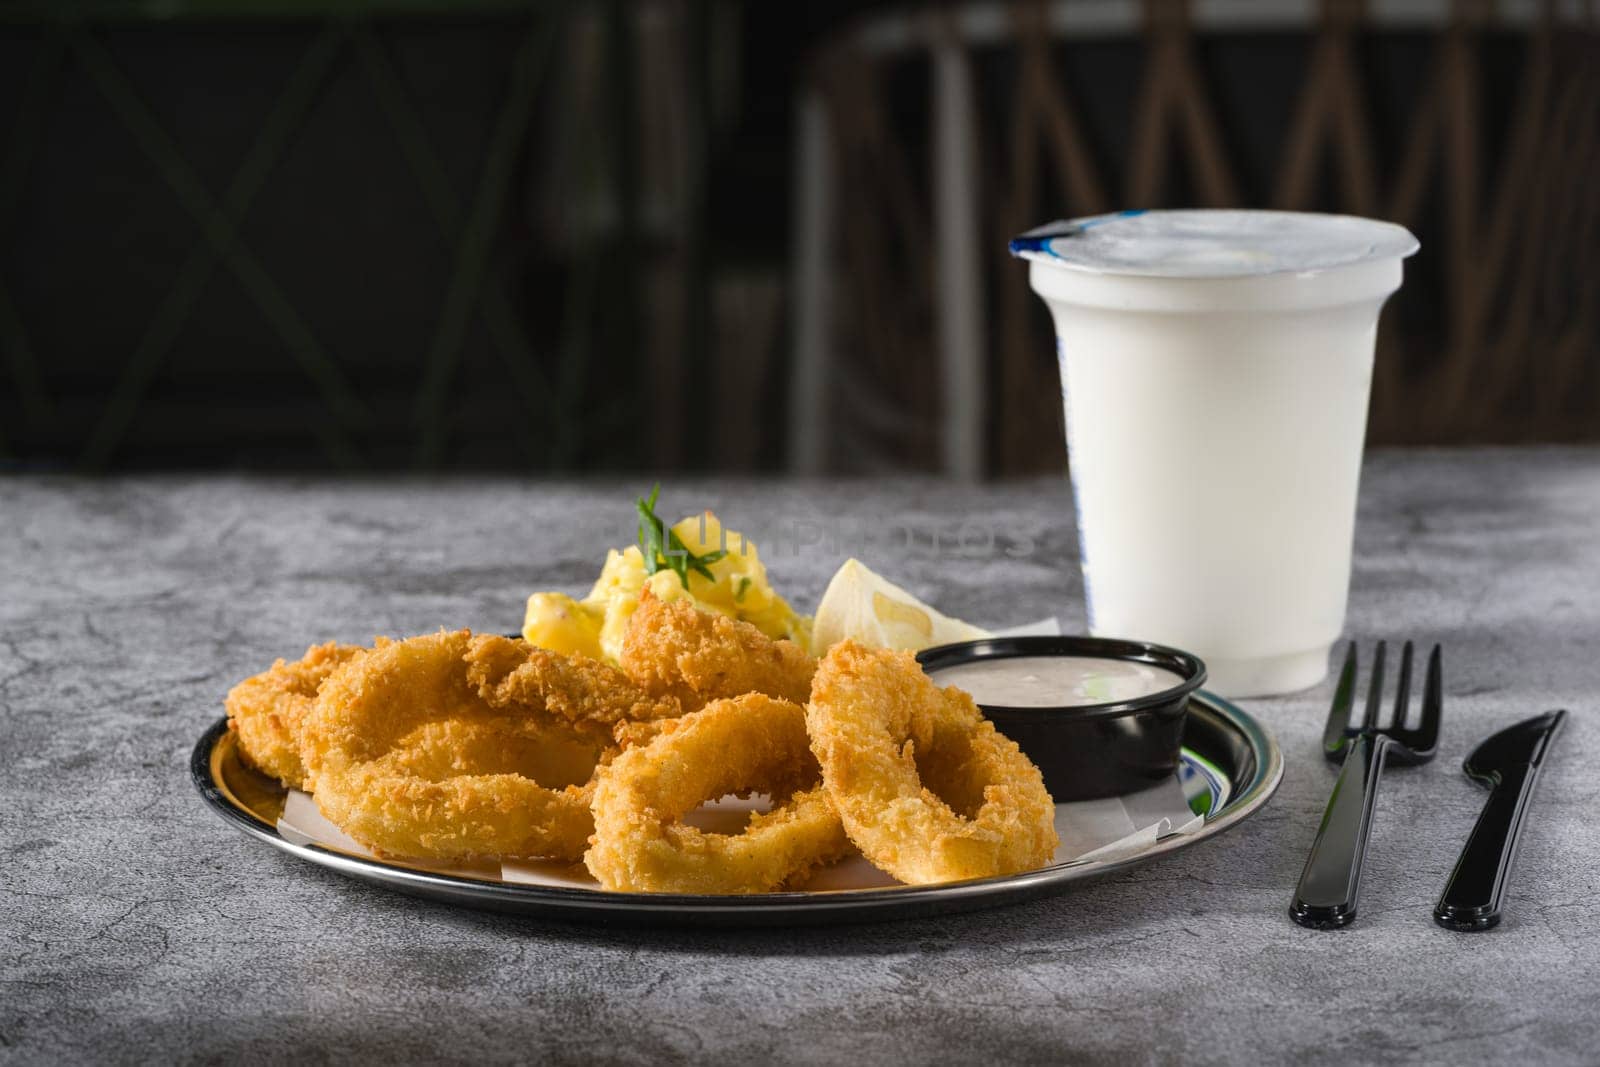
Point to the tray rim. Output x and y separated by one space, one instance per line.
786 908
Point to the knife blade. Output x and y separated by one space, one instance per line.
1508 763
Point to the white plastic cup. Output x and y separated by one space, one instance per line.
1216 404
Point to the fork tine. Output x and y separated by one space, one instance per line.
1375 688
1402 696
1344 698
1432 700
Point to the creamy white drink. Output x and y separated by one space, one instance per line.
1215 367
1055 681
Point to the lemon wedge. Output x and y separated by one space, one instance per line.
868 608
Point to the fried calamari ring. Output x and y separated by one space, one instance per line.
674 649
926 787
742 745
267 710
510 672
407 758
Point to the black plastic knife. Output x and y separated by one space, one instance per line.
1508 763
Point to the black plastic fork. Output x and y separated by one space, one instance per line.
1331 882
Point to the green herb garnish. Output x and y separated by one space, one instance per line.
665 550
738 594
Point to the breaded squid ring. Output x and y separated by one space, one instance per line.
884 733
408 759
742 745
510 672
267 710
674 649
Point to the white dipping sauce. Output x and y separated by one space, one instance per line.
1055 681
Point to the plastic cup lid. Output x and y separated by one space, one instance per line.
1213 243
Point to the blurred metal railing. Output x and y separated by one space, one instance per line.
1516 359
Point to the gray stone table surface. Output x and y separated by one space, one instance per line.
137 927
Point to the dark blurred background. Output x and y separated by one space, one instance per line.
737 236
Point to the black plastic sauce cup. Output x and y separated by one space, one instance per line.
1086 751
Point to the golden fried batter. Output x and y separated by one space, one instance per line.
267 710
749 743
926 787
508 672
406 757
674 649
